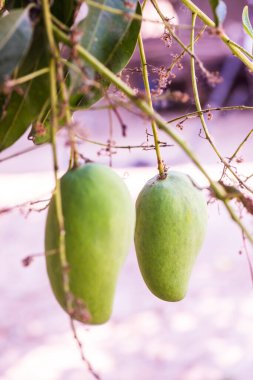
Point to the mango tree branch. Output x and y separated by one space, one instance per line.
201 115
218 189
219 32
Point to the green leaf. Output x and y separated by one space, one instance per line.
246 21
21 109
111 38
16 31
219 11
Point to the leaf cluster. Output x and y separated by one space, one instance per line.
25 51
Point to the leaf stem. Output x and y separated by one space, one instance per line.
160 164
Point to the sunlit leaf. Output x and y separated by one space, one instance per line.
246 21
219 11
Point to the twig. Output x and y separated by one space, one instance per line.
22 205
26 78
29 259
160 164
180 56
168 26
241 145
219 32
248 257
143 146
14 155
201 116
80 346
207 110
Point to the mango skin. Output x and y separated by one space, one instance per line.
99 218
171 220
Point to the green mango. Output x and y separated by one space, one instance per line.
99 217
171 219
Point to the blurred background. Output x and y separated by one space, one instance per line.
207 336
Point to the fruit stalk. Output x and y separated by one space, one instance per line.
160 163
57 192
73 162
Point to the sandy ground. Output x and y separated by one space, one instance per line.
207 336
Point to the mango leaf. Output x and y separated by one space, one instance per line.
16 31
111 38
246 21
219 11
22 108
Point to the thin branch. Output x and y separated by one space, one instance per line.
14 155
143 146
134 16
248 257
168 26
30 258
201 116
241 145
26 78
219 32
160 164
207 110
81 350
181 55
